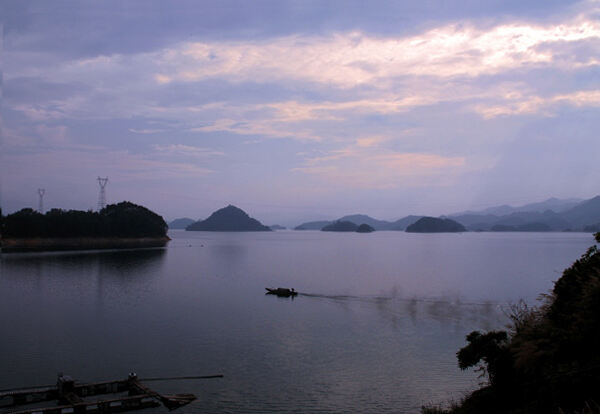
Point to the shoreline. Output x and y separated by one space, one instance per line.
35 244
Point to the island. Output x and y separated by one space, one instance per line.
348 226
345 226
435 225
313 225
365 228
117 226
277 227
230 218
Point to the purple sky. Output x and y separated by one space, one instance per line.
297 110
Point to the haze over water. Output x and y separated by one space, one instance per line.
375 329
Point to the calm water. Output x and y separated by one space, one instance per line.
375 329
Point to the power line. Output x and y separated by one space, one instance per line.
41 193
102 196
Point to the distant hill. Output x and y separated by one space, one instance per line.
180 223
592 228
523 227
552 214
554 221
277 227
554 204
229 218
359 219
584 213
313 225
365 228
551 220
340 226
435 225
404 222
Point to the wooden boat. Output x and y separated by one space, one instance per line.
73 398
285 292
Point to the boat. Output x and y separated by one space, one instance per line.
282 292
72 397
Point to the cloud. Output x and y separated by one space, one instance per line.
366 165
353 58
356 74
267 128
521 105
186 150
146 131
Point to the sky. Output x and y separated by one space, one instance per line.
299 110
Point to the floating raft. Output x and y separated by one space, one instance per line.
72 397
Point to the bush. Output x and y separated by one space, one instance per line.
549 361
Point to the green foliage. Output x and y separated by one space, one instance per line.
117 220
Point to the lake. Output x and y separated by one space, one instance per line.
375 328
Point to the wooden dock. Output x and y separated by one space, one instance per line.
74 398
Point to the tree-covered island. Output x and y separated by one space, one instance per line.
230 218
435 225
122 225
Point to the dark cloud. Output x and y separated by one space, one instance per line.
74 29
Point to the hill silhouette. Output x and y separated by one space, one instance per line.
435 225
554 204
181 223
558 215
403 223
552 214
124 219
313 225
583 214
230 218
359 219
365 228
346 226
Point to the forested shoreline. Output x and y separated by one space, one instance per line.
121 225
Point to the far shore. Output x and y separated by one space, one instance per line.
10 245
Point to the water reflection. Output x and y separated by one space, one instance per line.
106 262
445 310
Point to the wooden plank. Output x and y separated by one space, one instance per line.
12 398
115 405
23 397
